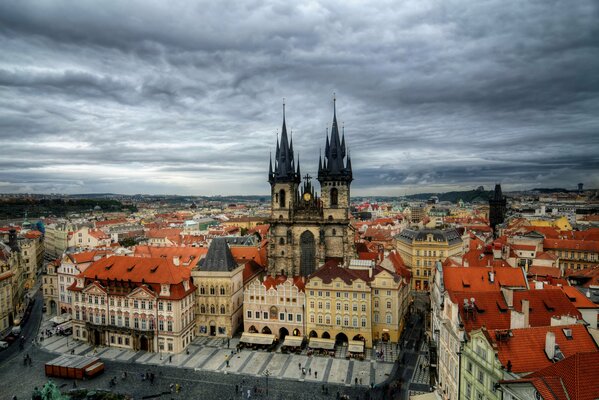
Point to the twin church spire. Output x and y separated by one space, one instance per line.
336 165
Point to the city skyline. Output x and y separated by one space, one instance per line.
187 98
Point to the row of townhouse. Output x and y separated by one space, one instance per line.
488 326
159 300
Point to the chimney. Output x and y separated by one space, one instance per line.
466 263
491 277
508 295
550 345
538 285
526 312
176 260
369 272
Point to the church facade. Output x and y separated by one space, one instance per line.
307 229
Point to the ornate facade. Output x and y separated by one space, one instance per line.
306 229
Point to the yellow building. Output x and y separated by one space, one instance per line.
6 305
219 297
420 249
50 287
560 223
359 302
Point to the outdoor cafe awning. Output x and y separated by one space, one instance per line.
355 346
257 338
325 344
293 341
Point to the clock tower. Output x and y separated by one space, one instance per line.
307 230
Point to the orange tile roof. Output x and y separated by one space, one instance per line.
491 310
571 244
525 349
247 253
98 234
545 304
108 222
88 256
476 279
189 256
579 374
150 270
33 235
544 271
578 299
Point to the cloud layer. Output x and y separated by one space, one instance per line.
181 98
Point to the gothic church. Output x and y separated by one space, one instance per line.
306 230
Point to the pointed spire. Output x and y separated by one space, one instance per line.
299 174
342 139
270 173
327 146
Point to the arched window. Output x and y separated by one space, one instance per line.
202 290
281 241
282 198
334 197
334 232
202 309
222 290
212 309
222 309
212 290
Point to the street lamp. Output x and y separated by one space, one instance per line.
267 374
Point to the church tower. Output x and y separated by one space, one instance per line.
497 208
307 230
284 182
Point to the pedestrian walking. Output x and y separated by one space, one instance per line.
310 371
249 393
236 388
299 365
228 342
315 374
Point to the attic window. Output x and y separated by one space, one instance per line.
129 269
108 267
568 333
465 283
501 308
548 306
153 269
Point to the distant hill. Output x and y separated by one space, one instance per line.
469 196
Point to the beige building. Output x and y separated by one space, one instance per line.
11 259
50 288
134 303
56 239
275 305
6 305
362 301
219 297
420 249
71 265
32 249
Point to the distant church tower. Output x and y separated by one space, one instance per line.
305 230
497 208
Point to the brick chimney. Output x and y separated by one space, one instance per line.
526 312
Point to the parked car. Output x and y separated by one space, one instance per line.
3 345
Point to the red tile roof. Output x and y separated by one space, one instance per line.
188 256
490 311
545 304
33 235
569 244
578 299
544 271
476 279
88 256
108 222
579 374
525 349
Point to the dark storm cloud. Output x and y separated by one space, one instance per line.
186 97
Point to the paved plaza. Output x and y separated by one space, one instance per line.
212 354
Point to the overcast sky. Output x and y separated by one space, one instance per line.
181 98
